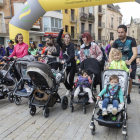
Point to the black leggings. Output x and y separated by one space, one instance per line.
70 84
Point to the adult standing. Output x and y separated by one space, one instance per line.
2 52
33 50
68 56
128 47
90 50
20 50
10 48
107 47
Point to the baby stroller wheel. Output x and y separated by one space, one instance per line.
11 97
32 110
72 109
46 112
125 137
84 110
93 130
17 100
64 102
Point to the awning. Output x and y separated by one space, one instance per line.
52 34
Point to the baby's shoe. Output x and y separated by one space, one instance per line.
114 111
104 112
90 100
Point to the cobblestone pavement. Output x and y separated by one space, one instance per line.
17 124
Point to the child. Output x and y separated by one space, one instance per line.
77 60
111 90
50 48
41 59
117 63
86 87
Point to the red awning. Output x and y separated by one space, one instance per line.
52 34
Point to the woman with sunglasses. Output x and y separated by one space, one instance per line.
10 48
69 58
33 50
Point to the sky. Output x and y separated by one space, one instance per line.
129 9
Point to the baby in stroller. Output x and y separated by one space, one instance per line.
112 94
85 79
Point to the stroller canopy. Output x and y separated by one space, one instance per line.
42 70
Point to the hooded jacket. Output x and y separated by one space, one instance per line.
2 52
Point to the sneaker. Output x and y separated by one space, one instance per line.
128 99
114 111
68 92
104 112
90 100
94 90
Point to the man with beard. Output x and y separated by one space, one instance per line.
128 47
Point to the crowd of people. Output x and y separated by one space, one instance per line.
120 54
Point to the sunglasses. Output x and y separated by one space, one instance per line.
31 42
8 40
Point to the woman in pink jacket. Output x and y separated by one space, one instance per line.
20 50
89 49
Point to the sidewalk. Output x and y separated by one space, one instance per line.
17 124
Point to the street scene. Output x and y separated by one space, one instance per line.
69 70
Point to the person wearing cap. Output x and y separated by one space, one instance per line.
40 48
10 48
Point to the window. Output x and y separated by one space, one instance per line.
17 6
66 28
91 10
72 32
112 22
82 27
111 36
46 24
58 11
82 10
72 14
90 28
2 40
66 11
120 22
56 24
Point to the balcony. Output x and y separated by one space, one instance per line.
91 17
83 16
4 29
57 30
101 11
3 3
101 38
73 19
101 25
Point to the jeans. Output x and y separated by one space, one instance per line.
106 102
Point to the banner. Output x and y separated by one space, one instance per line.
32 10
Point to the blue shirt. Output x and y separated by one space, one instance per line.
126 47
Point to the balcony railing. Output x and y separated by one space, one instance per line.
101 38
55 29
3 3
83 16
101 25
4 28
91 17
101 11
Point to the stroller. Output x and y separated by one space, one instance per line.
21 66
46 83
7 80
92 67
113 121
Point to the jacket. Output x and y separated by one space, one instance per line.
104 58
9 51
119 65
107 47
87 81
69 53
120 94
93 52
2 52
33 51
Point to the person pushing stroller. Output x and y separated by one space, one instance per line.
112 93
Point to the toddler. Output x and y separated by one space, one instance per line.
114 90
86 86
117 63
